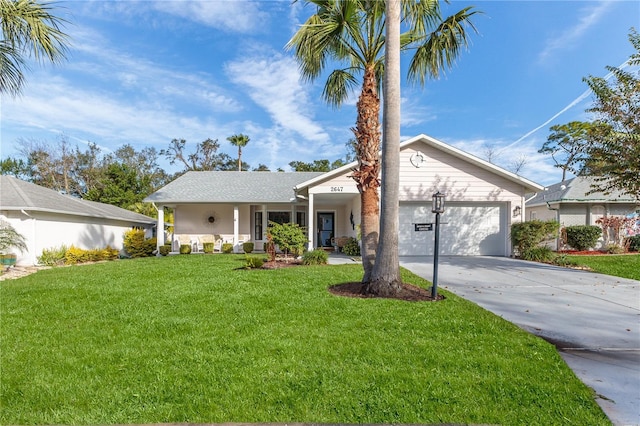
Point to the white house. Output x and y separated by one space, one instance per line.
482 200
48 219
572 202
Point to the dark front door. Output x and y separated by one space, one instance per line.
325 229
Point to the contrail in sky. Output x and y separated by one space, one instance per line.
575 102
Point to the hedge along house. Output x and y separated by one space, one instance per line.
48 219
571 202
482 200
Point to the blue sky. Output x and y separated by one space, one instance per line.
146 72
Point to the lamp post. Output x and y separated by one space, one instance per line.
437 208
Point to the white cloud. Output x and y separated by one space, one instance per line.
272 81
571 35
231 16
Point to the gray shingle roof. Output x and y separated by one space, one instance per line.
575 191
16 194
231 187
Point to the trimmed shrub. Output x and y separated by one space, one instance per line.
227 248
351 247
582 237
315 257
527 235
165 249
207 247
185 248
137 246
247 247
53 256
634 243
253 262
74 255
288 236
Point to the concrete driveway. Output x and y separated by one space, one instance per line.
593 319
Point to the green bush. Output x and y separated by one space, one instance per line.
227 248
253 262
634 243
538 254
185 248
136 245
165 250
53 256
75 255
288 236
315 257
527 235
351 247
582 237
247 247
207 247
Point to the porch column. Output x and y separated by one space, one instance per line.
160 226
236 226
160 229
311 229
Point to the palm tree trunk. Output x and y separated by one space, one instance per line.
385 278
367 133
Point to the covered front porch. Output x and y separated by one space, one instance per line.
334 216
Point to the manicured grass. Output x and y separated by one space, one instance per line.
624 265
194 339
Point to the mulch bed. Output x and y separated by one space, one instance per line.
281 263
591 252
408 292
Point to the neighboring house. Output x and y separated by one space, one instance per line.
48 219
482 200
571 203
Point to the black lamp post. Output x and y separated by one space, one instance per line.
437 208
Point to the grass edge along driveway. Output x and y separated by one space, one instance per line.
197 339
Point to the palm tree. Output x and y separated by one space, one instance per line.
240 141
351 33
385 277
28 27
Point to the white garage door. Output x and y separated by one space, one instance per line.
466 230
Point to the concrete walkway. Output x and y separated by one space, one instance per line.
593 319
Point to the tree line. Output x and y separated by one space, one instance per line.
125 177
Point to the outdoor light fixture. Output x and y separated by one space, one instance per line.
438 203
516 211
437 208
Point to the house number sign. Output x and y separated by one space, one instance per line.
337 188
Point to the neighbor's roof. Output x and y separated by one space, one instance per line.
231 187
18 195
575 191
432 142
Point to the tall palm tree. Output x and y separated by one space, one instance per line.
385 277
28 28
351 33
240 141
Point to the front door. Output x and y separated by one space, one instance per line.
325 229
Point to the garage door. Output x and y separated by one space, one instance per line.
466 230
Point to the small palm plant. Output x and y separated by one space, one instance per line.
9 238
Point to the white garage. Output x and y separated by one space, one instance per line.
467 229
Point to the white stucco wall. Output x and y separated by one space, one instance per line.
51 230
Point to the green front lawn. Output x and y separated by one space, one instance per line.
623 265
194 339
